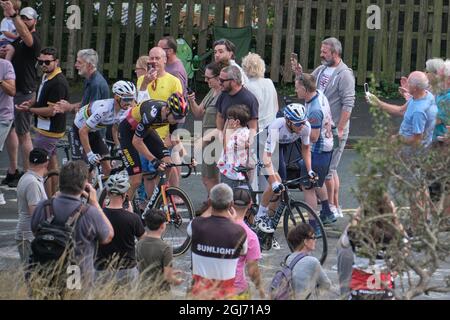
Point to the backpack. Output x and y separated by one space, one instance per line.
54 241
281 287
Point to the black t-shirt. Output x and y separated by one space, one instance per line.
244 96
24 63
121 250
53 90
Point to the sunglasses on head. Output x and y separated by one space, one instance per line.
46 62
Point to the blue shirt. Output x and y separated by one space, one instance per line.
319 116
95 88
420 118
443 106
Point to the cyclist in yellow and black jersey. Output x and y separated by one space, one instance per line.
137 136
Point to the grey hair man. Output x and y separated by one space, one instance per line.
419 112
95 86
336 80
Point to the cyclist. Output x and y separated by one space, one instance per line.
85 137
137 137
293 126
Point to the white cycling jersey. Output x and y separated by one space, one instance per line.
99 114
278 132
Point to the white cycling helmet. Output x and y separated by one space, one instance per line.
124 88
295 112
118 183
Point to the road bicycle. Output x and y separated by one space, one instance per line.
291 210
173 201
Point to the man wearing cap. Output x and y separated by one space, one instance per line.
30 191
26 50
242 201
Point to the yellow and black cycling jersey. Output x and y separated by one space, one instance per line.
145 115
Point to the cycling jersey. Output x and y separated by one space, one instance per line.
138 122
99 114
145 114
278 132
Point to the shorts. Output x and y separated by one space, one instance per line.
130 155
320 163
5 128
337 154
22 120
46 143
97 143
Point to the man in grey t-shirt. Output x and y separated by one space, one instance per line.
92 226
30 191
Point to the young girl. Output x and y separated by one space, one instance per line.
235 146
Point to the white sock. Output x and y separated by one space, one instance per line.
262 211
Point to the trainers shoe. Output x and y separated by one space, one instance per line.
10 177
339 213
275 244
15 181
328 219
265 224
2 199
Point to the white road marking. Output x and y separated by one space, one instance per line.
9 220
9 252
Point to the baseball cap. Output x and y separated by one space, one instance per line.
38 156
29 12
241 197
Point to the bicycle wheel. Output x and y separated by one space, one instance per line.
181 213
301 212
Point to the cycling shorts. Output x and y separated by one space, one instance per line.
97 143
130 155
320 163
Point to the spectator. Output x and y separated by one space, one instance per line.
224 51
26 50
440 133
50 126
264 91
95 86
7 133
234 93
308 276
217 244
242 202
207 111
117 259
174 66
92 227
319 116
236 146
419 112
141 66
30 191
8 33
158 84
154 256
336 80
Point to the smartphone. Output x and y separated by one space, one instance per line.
294 56
366 90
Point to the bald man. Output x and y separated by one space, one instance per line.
419 112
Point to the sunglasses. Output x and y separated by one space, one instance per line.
298 124
224 80
127 99
46 62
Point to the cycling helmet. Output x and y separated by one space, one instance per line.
118 183
178 105
295 112
124 88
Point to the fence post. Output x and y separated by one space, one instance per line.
393 40
101 34
87 24
161 16
189 21
290 40
129 41
145 29
349 29
44 24
380 43
219 13
203 27
276 41
248 14
71 50
262 28
407 37
335 19
175 18
438 14
320 29
233 17
306 29
116 31
58 27
363 45
422 37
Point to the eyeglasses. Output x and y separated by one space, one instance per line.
135 70
46 62
224 80
209 78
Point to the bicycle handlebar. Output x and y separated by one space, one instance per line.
300 179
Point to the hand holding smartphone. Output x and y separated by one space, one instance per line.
366 90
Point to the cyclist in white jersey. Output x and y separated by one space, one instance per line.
283 131
85 139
